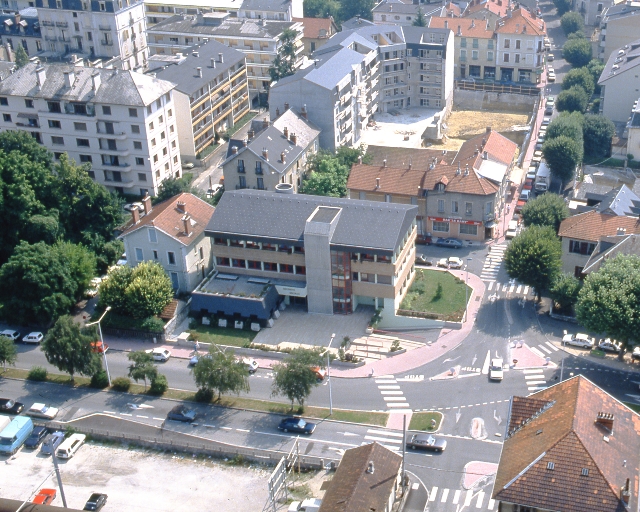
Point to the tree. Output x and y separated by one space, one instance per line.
322 9
608 302
8 352
222 372
545 210
563 155
353 8
284 63
598 132
142 367
69 349
577 51
572 22
420 20
580 77
294 377
533 257
596 68
43 228
564 291
562 6
574 99
22 59
568 124
112 291
174 186
81 263
328 172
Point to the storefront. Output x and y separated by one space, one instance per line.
456 228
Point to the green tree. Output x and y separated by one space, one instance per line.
112 291
81 263
533 257
609 299
43 228
596 68
572 22
328 177
69 349
107 254
142 367
25 144
574 99
598 132
293 380
545 210
568 124
8 352
564 291
284 63
352 8
562 6
580 77
563 155
577 51
22 59
420 20
222 372
322 9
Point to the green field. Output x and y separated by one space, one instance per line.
423 297
222 335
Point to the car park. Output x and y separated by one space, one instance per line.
12 335
10 406
427 442
454 262
297 426
40 410
36 437
449 242
182 413
96 501
45 497
159 354
33 337
51 442
578 340
610 345
496 370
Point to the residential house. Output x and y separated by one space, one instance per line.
609 248
490 11
620 82
159 10
172 233
275 154
277 10
592 10
317 32
123 123
397 12
325 253
96 29
570 447
633 131
211 93
21 28
618 27
259 40
368 478
519 41
597 183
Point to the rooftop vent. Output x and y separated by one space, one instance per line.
606 420
551 466
370 468
585 472
539 432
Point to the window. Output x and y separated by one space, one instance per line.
517 44
475 43
135 128
468 229
106 110
151 125
28 103
507 43
160 119
137 144
490 44
4 102
155 159
474 54
54 124
258 167
159 104
468 208
223 262
86 158
242 182
82 143
441 227
80 127
506 57
142 176
260 185
139 160
463 42
254 265
584 248
6 117
287 269
270 267
171 258
139 255
54 106
490 56
170 113
164 151
133 112
155 255
162 136
149 110
57 155
153 236
517 58
454 206
80 109
441 205
57 140
153 142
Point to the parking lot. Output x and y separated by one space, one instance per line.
137 479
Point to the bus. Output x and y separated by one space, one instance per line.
15 434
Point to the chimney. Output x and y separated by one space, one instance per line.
377 183
95 81
265 154
473 23
625 493
234 150
293 138
370 468
245 142
285 132
303 111
605 419
277 112
466 170
181 206
265 123
485 155
488 130
384 163
286 107
459 30
199 71
221 58
16 18
251 134
446 24
186 220
475 152
41 75
360 159
135 214
69 78
146 203
213 63
282 158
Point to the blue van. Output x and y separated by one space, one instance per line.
15 434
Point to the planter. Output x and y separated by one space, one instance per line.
396 352
368 330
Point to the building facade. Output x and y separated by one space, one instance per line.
618 27
317 32
396 12
276 10
158 10
619 83
23 29
123 123
633 131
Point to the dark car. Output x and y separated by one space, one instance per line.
427 442
423 260
96 501
56 438
10 406
449 242
36 437
181 413
297 425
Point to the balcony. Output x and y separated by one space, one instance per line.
78 110
114 134
118 168
62 24
106 43
46 23
50 38
104 27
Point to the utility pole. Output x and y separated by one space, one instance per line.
55 465
404 450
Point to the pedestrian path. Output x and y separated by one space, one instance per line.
512 288
493 263
388 439
391 393
535 379
463 499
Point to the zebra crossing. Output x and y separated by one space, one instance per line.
391 393
391 440
544 349
465 499
535 379
493 263
511 287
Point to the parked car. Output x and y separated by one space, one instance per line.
427 442
39 410
443 262
45 497
578 340
519 206
131 206
525 195
195 358
181 413
537 157
98 347
10 406
551 75
33 337
51 442
214 190
297 425
36 437
610 345
496 370
548 110
528 185
251 364
551 57
320 373
308 505
96 501
550 102
449 242
159 354
635 355
70 446
423 239
421 259
531 173
538 146
546 121
13 335
454 262
541 136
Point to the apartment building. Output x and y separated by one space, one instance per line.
122 123
276 10
488 10
328 254
211 92
474 47
396 12
257 39
316 32
620 83
520 47
592 10
618 27
633 131
158 10
274 155
95 29
21 29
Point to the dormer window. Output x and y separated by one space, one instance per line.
440 187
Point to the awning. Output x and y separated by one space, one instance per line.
491 224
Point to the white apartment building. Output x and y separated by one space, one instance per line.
619 26
620 84
277 10
21 29
95 29
122 123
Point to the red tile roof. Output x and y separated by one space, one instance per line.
592 226
314 26
463 27
497 146
167 218
519 19
452 8
498 7
419 158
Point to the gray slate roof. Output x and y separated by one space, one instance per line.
265 5
6 68
237 27
116 88
620 201
609 248
270 215
304 129
625 58
354 22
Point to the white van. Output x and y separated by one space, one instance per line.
512 230
70 446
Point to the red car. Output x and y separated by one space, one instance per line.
45 497
97 347
528 185
519 206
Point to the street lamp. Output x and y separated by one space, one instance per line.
104 351
466 291
329 375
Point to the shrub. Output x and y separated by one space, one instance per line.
152 324
395 346
204 395
439 291
158 385
121 384
37 373
100 380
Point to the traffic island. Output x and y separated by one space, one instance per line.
429 421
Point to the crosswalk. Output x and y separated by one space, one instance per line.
388 439
462 498
535 379
493 263
544 349
511 287
391 393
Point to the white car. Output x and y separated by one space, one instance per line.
578 340
442 262
159 354
610 345
33 337
251 364
496 371
39 410
454 262
12 335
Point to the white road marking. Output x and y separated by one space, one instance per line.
535 382
536 352
526 289
385 381
432 494
467 498
456 496
139 416
490 286
553 347
393 398
480 498
415 486
384 439
226 428
534 376
535 370
545 349
405 405
491 504
487 361
125 414
243 430
388 387
511 288
445 494
391 392
519 288
536 388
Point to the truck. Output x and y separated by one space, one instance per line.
543 178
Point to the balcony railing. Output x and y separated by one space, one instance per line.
62 24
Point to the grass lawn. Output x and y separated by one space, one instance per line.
222 335
422 421
422 294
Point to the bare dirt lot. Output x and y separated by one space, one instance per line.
464 124
138 480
